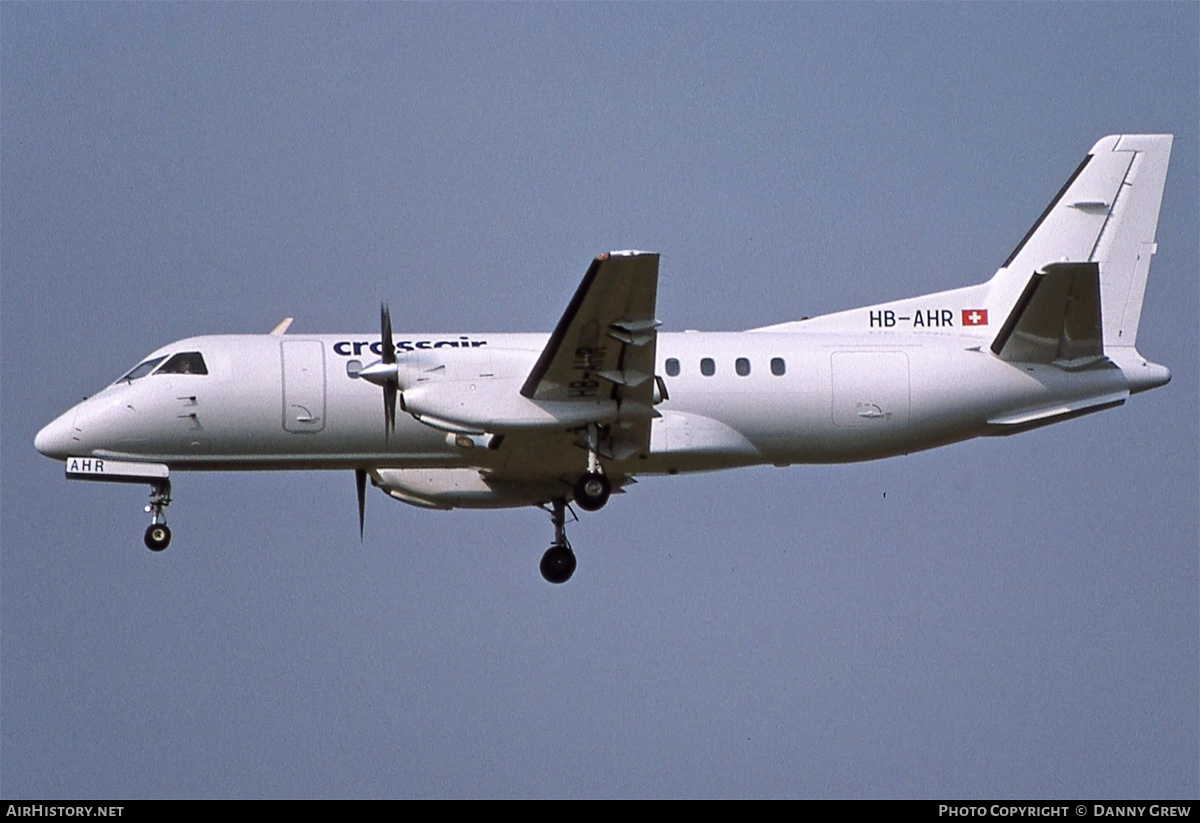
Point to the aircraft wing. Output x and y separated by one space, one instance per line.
604 346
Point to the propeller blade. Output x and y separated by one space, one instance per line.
385 322
388 354
389 407
360 480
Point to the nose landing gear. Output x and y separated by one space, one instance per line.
158 535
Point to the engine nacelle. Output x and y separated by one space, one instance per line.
497 406
451 489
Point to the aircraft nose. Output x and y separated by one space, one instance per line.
57 438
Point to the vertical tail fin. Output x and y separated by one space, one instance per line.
1106 214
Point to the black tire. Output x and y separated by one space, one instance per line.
558 564
158 537
592 491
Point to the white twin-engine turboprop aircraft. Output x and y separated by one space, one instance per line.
493 420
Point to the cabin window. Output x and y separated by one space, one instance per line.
188 362
353 367
741 366
142 369
672 367
778 367
707 367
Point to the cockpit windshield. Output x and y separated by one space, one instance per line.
142 369
188 362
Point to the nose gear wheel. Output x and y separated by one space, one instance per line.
158 535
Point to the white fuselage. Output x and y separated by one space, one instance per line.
280 402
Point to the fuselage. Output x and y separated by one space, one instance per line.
732 399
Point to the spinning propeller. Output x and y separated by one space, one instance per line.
386 375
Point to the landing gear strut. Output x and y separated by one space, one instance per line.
158 536
558 563
592 488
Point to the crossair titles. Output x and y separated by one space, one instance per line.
351 348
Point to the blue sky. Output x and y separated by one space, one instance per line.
1016 618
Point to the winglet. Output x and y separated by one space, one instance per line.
284 325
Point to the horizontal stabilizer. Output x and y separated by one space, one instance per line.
1056 319
1036 418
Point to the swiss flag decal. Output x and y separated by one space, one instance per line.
974 317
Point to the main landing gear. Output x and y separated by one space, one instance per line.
558 563
592 488
590 492
158 536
